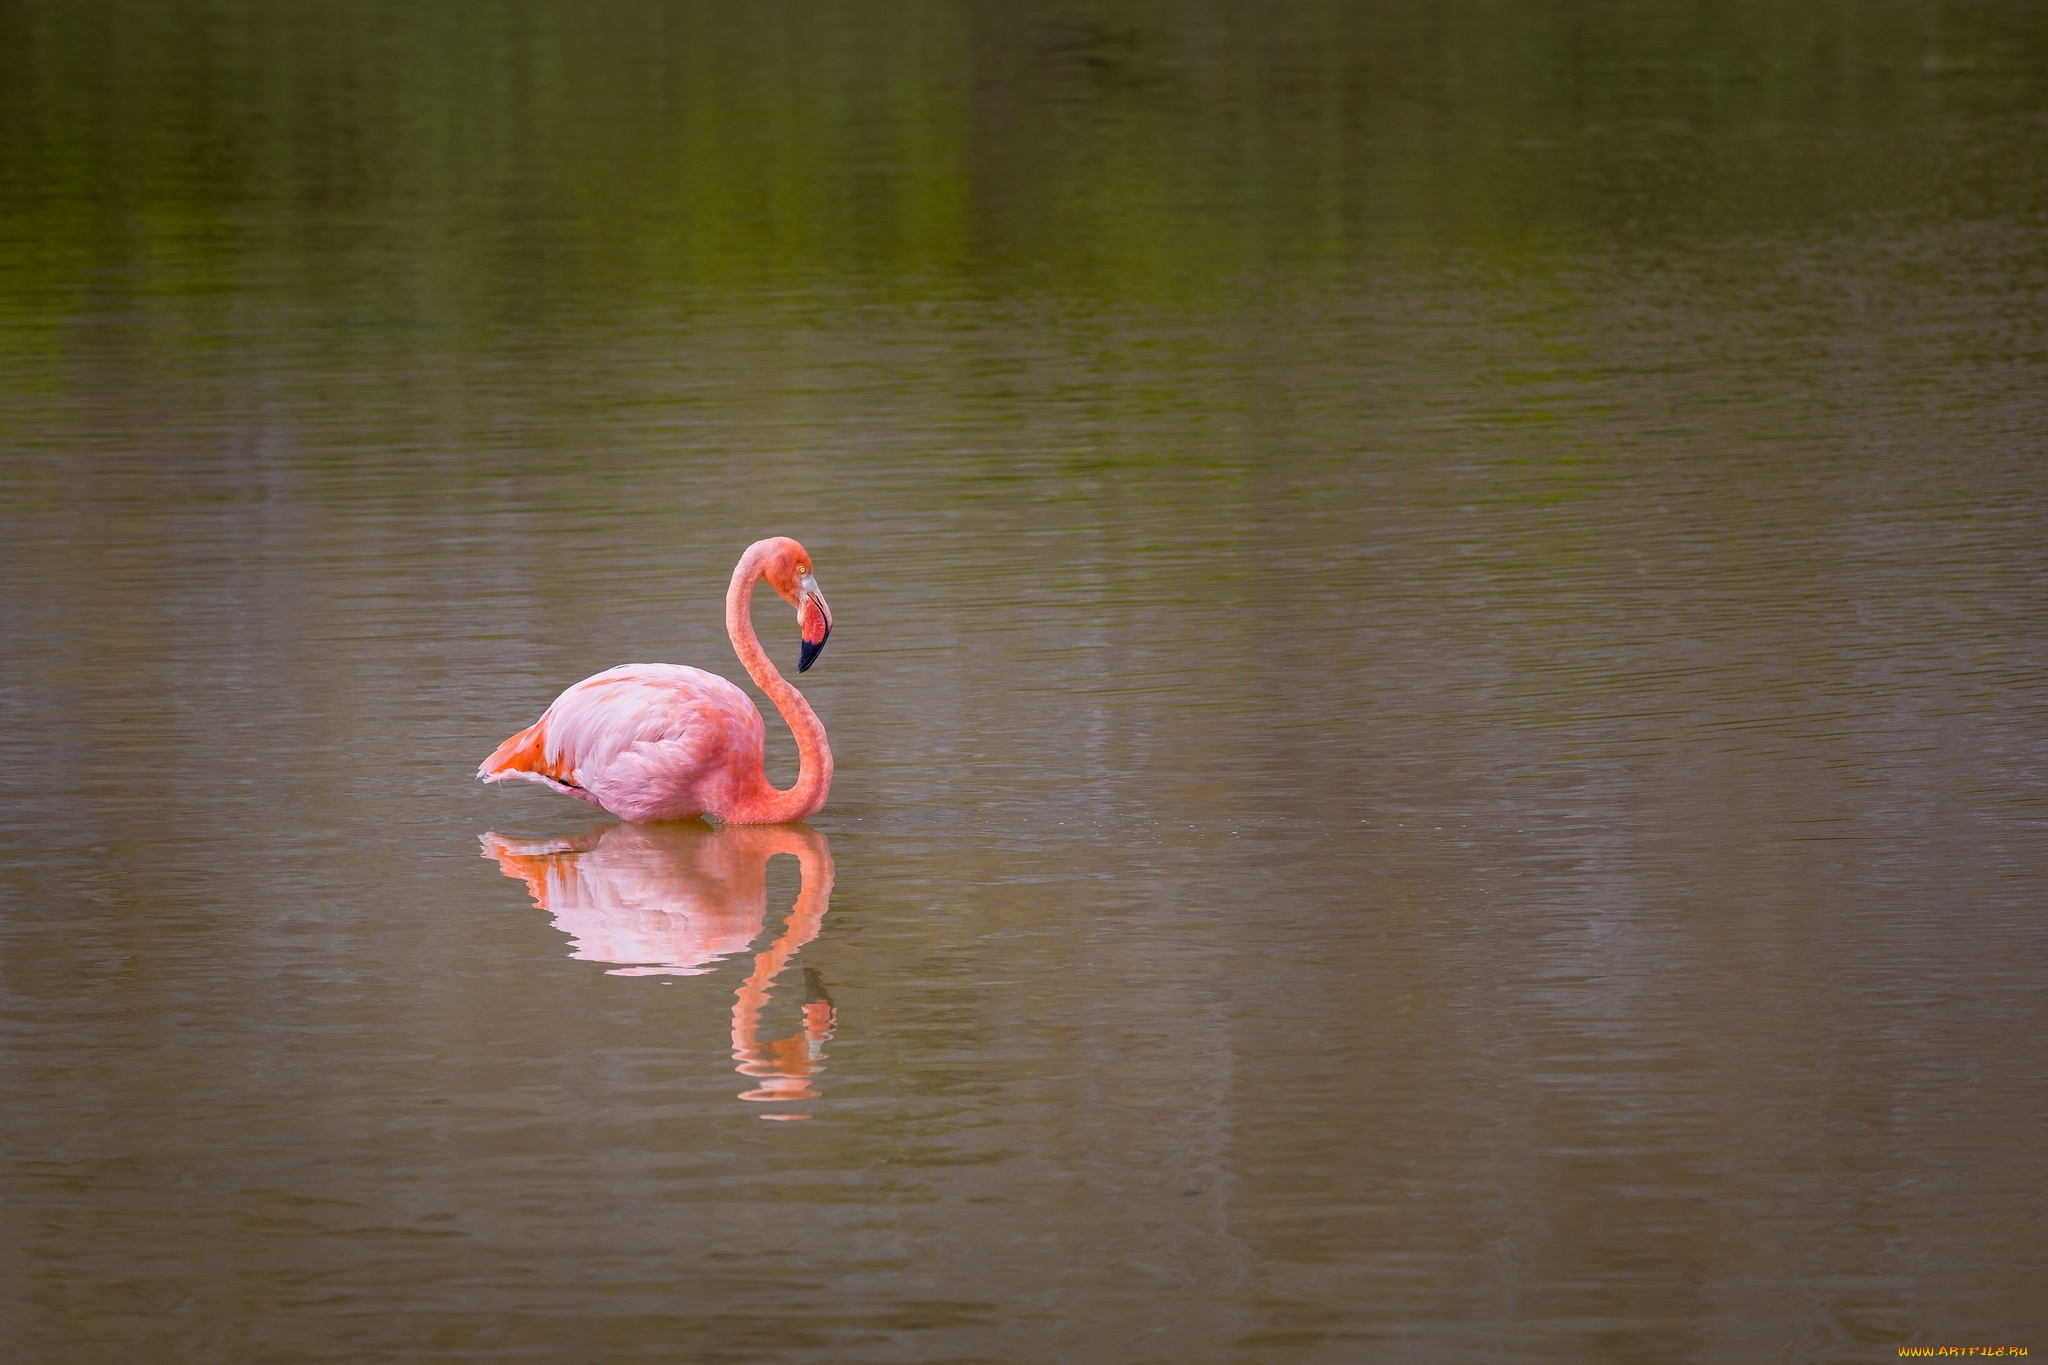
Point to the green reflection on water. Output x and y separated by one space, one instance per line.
491 165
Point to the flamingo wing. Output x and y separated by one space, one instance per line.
643 741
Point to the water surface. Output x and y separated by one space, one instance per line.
1438 686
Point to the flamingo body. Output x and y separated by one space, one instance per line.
654 742
645 742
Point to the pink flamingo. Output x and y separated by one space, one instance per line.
667 742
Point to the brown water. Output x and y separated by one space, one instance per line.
1438 681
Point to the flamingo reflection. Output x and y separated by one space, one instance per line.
676 899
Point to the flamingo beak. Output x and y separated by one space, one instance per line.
814 618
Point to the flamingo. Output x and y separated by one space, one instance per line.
668 742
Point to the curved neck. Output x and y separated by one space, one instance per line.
814 756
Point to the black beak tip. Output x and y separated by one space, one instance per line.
808 655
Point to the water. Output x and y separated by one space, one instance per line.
1438 681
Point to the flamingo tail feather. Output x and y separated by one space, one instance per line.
525 756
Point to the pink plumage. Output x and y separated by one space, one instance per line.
667 742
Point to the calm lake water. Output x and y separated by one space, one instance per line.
1440 680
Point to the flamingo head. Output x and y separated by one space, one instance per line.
788 571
